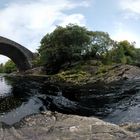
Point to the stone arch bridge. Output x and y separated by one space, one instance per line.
20 55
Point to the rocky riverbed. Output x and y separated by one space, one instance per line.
50 125
86 74
57 126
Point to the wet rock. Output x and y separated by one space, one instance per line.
35 71
59 126
133 127
92 75
117 73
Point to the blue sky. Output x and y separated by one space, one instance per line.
27 21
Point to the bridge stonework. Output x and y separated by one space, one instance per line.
20 55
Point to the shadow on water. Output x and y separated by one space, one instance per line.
117 102
21 100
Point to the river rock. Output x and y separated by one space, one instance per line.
127 72
57 126
116 73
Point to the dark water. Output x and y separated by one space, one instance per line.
117 103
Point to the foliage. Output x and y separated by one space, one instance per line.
1 68
137 57
36 61
9 67
124 52
74 76
67 45
100 44
63 46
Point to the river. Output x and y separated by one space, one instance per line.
117 102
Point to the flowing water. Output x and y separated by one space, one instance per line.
117 103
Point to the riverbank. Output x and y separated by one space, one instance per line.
62 126
85 74
53 125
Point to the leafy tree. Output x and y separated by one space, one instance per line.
124 52
63 46
137 57
66 45
1 68
9 66
101 43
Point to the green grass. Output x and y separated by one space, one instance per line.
74 76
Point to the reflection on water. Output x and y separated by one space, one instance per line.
18 101
115 103
5 88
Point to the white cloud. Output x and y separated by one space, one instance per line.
131 8
123 33
131 5
27 22
75 18
3 59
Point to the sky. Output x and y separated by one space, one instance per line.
27 21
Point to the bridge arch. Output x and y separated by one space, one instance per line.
20 55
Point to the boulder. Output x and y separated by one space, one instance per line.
53 125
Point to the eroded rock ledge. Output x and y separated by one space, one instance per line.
57 126
88 74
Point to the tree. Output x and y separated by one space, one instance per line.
63 46
9 66
1 68
124 52
101 43
66 45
